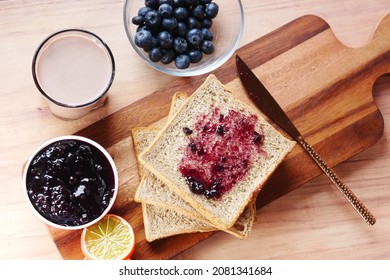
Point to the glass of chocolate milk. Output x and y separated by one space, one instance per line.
73 69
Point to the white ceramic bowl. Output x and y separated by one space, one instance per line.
227 29
110 176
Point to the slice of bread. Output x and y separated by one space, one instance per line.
178 100
160 222
158 200
164 156
142 137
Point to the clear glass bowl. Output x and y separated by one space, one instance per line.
227 29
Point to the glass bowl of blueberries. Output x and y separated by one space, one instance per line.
184 37
71 182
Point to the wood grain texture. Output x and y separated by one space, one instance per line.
311 222
336 114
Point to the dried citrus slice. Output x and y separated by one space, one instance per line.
110 238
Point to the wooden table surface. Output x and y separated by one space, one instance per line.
312 222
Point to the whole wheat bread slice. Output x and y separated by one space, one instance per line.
158 200
160 222
165 154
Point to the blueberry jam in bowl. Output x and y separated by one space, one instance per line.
71 182
184 37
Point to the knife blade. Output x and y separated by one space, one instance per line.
263 100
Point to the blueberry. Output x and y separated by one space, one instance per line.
180 45
155 42
212 10
198 12
161 2
181 29
191 2
193 23
207 35
155 55
165 39
220 130
204 1
195 186
182 61
258 138
187 130
143 11
211 194
194 37
207 23
195 55
165 10
180 13
179 3
143 38
167 56
170 24
151 3
84 218
207 47
153 20
138 20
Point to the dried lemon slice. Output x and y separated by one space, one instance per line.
110 238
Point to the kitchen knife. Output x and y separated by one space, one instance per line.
268 105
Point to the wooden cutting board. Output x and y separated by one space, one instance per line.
325 88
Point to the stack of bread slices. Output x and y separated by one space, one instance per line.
169 206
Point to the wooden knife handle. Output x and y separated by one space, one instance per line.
344 189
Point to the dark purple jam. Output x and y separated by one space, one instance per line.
70 182
220 152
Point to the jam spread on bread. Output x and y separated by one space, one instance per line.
219 152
